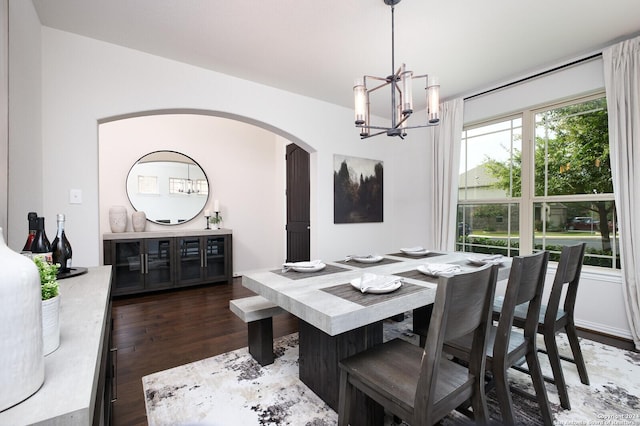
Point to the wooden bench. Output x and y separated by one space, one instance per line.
258 313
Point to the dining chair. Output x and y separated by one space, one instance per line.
418 384
555 317
507 346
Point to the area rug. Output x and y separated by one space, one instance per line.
233 389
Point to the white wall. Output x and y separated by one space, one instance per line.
243 163
600 304
85 81
4 113
25 145
578 79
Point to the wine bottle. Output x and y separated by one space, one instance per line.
61 248
40 242
31 218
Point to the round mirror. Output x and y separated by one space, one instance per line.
170 187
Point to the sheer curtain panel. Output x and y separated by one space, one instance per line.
444 141
622 83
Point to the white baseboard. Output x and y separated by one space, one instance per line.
601 328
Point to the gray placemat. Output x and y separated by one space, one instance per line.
348 292
384 261
417 275
295 275
408 256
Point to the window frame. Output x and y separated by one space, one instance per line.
528 199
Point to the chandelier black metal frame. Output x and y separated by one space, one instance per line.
191 185
400 82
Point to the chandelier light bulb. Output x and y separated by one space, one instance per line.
406 95
433 100
360 99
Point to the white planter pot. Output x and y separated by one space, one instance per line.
51 324
21 357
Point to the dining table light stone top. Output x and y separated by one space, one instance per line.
308 296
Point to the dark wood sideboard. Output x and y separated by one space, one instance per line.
160 260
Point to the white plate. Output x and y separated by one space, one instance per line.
315 268
367 259
415 253
482 261
387 289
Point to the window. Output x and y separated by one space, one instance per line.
554 185
147 184
202 187
177 185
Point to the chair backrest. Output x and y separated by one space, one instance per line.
525 285
568 273
463 305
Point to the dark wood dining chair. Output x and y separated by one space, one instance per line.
556 317
508 347
417 384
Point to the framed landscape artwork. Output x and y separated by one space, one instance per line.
357 190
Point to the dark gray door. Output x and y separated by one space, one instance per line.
298 235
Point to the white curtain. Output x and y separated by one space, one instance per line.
622 83
444 143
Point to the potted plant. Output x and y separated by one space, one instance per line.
50 303
216 220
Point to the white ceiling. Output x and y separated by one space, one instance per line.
318 47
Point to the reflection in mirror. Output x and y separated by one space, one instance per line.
170 187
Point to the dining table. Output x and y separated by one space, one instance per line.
337 319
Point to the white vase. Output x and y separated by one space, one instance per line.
51 324
21 356
138 221
118 218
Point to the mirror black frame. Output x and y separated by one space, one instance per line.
191 210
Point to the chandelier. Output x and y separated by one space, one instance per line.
400 82
189 186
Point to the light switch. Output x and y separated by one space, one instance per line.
75 196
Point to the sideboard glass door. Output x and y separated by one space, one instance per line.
190 260
215 262
159 267
128 267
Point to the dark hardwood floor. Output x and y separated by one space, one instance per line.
163 330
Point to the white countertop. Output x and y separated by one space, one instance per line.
165 234
67 396
334 315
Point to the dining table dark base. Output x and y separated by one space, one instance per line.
319 356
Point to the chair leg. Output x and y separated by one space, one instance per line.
556 367
538 384
572 336
344 399
504 394
479 403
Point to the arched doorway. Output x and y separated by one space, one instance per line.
245 161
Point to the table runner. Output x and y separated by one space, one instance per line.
348 292
295 275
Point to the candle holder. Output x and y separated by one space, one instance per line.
207 217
